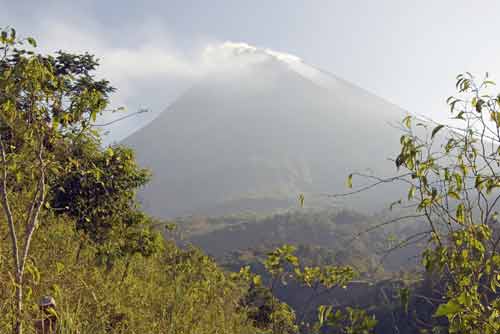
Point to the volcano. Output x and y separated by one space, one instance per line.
264 127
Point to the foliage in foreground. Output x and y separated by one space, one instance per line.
453 176
174 291
52 164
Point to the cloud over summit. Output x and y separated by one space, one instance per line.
152 71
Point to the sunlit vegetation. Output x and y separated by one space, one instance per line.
72 228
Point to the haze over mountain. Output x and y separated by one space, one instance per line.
259 129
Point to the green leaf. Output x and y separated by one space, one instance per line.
478 184
426 202
411 192
460 115
474 101
407 121
301 200
436 130
257 280
349 181
31 41
323 312
3 36
449 309
460 213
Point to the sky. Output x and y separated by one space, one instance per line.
408 52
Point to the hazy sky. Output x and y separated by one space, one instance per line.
408 52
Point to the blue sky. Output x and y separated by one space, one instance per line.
405 51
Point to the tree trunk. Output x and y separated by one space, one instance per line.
31 224
18 327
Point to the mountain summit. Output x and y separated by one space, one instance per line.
257 130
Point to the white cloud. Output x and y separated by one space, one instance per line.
150 71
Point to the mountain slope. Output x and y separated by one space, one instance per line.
254 136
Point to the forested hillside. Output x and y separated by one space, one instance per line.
325 236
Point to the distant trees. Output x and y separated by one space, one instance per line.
323 237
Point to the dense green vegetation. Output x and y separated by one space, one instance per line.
72 228
173 291
70 221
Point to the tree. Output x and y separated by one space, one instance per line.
453 177
98 190
45 101
283 267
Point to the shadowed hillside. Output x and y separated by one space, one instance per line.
323 237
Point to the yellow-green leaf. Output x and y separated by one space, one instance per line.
411 192
349 181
